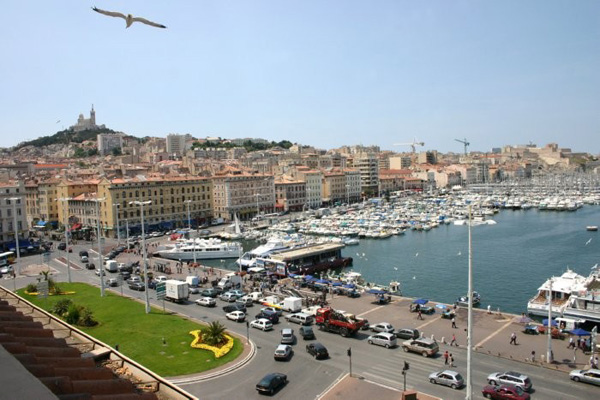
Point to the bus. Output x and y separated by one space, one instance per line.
7 258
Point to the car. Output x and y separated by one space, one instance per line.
267 315
589 376
139 286
447 378
230 297
161 278
504 392
287 336
99 271
206 302
510 378
83 253
246 300
134 279
283 352
237 316
194 290
300 318
62 246
271 383
234 307
263 324
317 350
112 282
152 284
306 332
237 293
408 333
209 292
8 269
384 339
382 327
426 347
84 259
90 266
275 310
125 274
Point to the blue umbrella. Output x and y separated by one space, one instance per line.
336 284
580 332
322 281
552 323
441 306
309 278
376 291
420 301
350 285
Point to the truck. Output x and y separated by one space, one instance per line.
291 304
192 280
176 291
111 266
331 320
230 281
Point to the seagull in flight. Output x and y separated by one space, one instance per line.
129 19
588 242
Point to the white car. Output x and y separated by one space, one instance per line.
262 323
206 302
161 278
237 316
384 339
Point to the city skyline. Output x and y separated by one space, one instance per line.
320 74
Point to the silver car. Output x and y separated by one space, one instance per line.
384 339
510 378
448 378
589 376
382 327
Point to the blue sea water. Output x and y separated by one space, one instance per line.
510 259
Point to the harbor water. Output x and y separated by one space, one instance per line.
511 259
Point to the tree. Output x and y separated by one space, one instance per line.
116 151
214 333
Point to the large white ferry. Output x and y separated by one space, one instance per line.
560 289
200 249
584 302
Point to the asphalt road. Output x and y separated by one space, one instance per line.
309 377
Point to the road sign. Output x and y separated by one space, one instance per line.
161 290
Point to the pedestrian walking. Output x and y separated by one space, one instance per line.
533 356
571 343
453 322
419 315
452 360
446 355
513 338
453 341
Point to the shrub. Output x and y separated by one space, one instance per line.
86 318
73 314
61 307
214 333
31 288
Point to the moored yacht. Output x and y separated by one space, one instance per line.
584 302
248 259
560 289
200 249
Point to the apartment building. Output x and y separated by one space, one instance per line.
290 194
12 202
334 187
313 184
368 166
353 185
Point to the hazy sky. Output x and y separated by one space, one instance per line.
318 72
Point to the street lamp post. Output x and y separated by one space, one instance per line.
468 394
257 209
549 327
118 228
348 195
188 209
141 204
100 257
65 201
16 228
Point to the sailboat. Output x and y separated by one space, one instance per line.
237 231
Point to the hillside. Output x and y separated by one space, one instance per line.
64 137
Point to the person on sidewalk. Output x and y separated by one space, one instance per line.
453 341
513 338
446 357
571 343
452 360
453 322
419 315
532 356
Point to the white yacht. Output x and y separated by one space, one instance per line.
560 291
200 249
584 302
248 259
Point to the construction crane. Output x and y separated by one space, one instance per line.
412 145
465 143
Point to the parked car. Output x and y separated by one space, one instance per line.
382 327
237 316
263 324
588 376
300 318
139 286
447 378
246 300
238 293
126 275
275 310
408 333
283 352
90 266
267 315
134 279
384 339
317 350
112 282
306 332
62 246
84 259
228 296
426 347
206 302
234 307
7 269
504 392
510 378
271 383
99 272
209 292
287 336
83 253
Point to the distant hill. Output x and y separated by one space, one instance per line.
64 137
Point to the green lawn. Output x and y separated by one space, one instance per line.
139 335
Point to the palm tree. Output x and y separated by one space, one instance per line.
214 334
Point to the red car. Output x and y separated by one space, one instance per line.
504 392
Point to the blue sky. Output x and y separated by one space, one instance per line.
317 72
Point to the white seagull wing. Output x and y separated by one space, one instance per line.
145 21
110 13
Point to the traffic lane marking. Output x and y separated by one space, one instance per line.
371 310
493 334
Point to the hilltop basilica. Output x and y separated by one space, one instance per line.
86 123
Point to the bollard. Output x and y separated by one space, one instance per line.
444 339
433 337
543 357
422 335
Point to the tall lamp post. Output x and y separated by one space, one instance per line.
348 195
118 228
16 228
468 394
188 209
100 257
65 201
257 209
549 327
141 204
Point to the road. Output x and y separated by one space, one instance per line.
309 377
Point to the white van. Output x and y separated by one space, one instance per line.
300 318
111 266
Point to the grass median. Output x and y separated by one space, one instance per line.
123 321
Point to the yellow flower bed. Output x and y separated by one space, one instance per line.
49 294
218 351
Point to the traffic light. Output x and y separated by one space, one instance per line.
349 351
406 366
